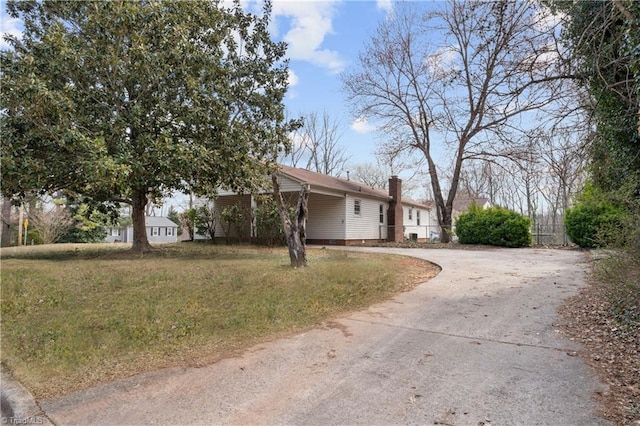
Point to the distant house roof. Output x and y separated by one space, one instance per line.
342 185
159 221
461 204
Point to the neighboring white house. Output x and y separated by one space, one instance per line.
344 212
159 230
462 203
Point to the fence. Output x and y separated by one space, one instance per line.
541 234
549 234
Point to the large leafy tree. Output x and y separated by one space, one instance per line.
604 39
125 101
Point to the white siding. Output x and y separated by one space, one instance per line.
161 237
365 226
288 185
326 217
126 235
411 225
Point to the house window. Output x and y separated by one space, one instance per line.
115 232
381 213
356 207
155 231
410 214
168 232
418 217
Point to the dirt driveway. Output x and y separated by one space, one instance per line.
476 345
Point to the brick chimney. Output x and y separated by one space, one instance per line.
395 229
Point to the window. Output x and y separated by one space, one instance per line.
168 232
381 213
410 214
115 232
418 217
155 231
356 207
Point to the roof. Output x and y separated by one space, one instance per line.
331 182
341 185
159 221
461 204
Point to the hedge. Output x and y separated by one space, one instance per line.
495 226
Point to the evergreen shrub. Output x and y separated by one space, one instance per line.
495 226
593 221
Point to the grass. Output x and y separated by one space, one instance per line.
74 317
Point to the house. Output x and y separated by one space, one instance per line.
342 211
462 203
159 230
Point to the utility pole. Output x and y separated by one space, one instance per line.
20 220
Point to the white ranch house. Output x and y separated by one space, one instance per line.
346 212
159 230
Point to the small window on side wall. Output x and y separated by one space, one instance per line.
381 213
356 207
410 214
418 217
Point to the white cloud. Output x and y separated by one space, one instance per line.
544 20
9 26
310 23
293 81
361 125
442 62
298 139
385 5
293 78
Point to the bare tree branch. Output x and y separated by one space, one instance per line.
455 76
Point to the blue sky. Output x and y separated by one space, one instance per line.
324 40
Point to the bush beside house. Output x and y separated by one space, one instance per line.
494 226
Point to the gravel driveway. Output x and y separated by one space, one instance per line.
476 345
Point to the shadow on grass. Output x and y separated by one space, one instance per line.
183 250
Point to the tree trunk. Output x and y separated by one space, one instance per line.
294 231
446 225
138 204
5 240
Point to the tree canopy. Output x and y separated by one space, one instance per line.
604 38
126 101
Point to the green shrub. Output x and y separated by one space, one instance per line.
494 226
269 230
594 220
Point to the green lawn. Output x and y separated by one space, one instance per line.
75 317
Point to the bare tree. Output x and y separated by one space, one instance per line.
388 164
316 146
563 155
371 174
477 179
461 75
51 223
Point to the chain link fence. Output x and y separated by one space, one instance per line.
542 235
551 234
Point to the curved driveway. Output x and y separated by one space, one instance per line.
475 345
